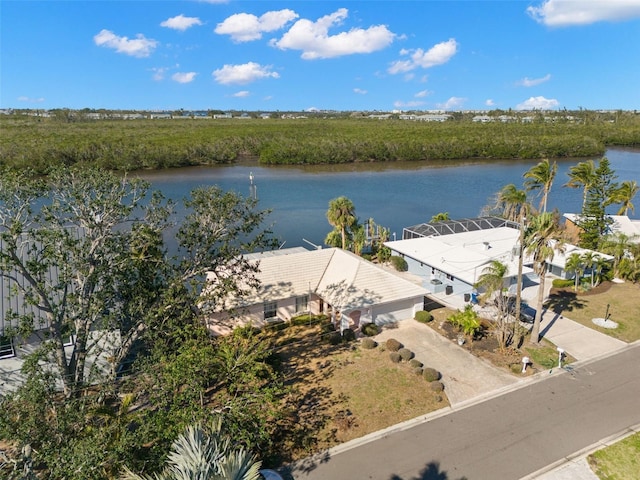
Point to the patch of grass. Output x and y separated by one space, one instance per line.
545 355
623 302
620 461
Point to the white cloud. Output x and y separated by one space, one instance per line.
241 94
360 91
184 77
180 22
137 47
453 103
245 27
489 102
243 74
558 13
313 38
159 73
537 103
418 58
410 104
30 100
423 93
532 82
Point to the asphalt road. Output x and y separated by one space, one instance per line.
506 437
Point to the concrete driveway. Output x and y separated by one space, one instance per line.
465 376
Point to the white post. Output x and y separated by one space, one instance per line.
525 362
560 354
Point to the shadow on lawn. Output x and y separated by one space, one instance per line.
561 301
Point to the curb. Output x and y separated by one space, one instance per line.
584 452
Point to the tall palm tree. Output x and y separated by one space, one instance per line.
582 176
196 455
575 264
341 214
624 195
588 258
542 238
540 177
512 203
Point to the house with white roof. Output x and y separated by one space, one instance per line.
451 256
326 281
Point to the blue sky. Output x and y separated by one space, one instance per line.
337 55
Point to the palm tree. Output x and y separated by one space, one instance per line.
574 264
542 239
512 203
582 176
440 217
341 214
492 281
540 177
198 455
624 195
617 245
597 266
588 258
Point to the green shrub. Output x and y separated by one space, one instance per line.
405 354
399 263
276 325
348 335
334 338
393 345
395 357
368 343
423 316
417 370
415 363
437 386
327 327
466 321
561 283
430 374
370 329
308 319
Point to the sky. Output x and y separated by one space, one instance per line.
373 55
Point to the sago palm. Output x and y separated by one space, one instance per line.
197 455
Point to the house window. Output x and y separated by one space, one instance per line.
270 310
6 347
302 303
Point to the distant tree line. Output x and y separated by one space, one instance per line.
126 145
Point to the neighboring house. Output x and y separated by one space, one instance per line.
14 348
332 281
451 256
620 224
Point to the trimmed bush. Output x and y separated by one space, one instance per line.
423 316
415 363
370 329
399 263
368 343
348 335
395 357
308 319
417 370
431 374
327 327
334 338
437 386
393 345
561 283
276 325
405 354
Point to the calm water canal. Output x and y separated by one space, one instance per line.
396 195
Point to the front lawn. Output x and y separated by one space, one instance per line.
623 300
341 392
620 461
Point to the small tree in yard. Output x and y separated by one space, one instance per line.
466 321
492 281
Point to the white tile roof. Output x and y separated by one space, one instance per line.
339 277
